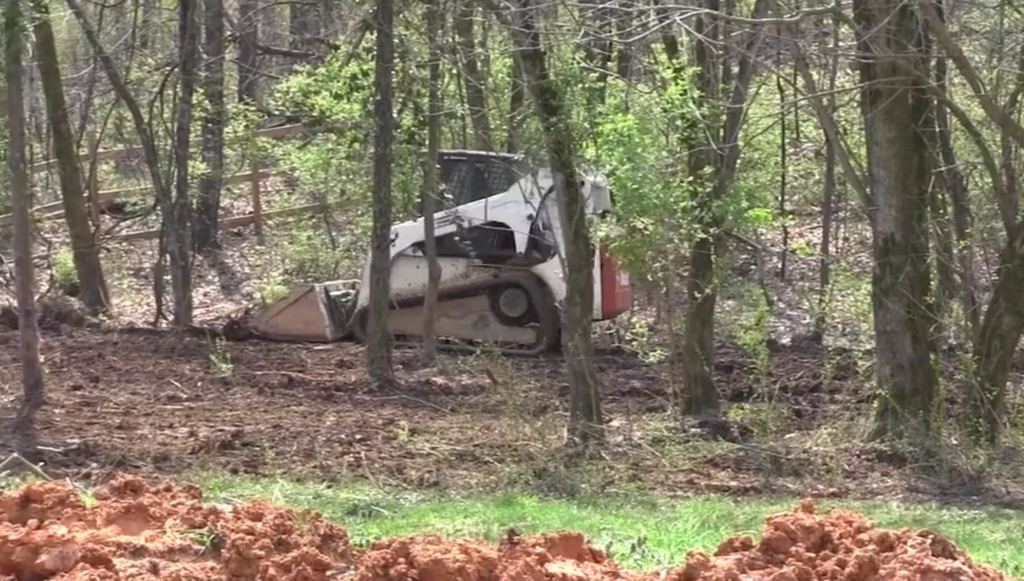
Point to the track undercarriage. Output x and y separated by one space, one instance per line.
508 310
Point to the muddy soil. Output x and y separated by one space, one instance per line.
132 530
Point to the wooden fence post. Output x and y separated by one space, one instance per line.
257 200
93 177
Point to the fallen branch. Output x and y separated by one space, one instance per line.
18 458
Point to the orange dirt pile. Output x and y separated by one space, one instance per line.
842 546
131 530
136 531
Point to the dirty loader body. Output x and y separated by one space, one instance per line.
501 250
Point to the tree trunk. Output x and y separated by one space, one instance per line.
624 50
586 424
31 369
248 58
434 112
893 113
1000 332
516 108
179 220
92 285
722 158
700 396
148 24
829 193
303 23
208 208
475 83
378 339
595 40
783 168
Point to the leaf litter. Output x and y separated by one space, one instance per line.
132 529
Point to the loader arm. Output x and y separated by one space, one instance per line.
516 208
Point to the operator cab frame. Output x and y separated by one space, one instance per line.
466 176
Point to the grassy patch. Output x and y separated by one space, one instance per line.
641 532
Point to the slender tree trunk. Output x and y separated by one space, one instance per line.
378 339
893 114
179 220
17 169
828 196
435 112
997 340
783 171
476 84
586 423
596 21
624 50
208 208
720 160
516 108
91 283
700 394
248 59
147 24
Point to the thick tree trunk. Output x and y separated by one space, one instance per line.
700 396
434 113
92 285
378 339
17 169
586 427
893 113
208 208
473 78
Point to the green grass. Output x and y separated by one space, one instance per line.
641 533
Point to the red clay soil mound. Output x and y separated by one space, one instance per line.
842 546
562 556
133 530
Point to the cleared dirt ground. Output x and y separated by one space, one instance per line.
160 402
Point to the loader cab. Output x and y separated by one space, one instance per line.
467 176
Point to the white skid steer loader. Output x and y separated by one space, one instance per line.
501 248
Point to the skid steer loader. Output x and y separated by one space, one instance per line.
500 247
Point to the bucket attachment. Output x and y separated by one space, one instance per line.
317 313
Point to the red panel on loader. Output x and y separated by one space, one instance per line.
616 292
